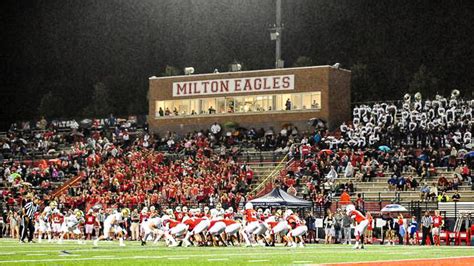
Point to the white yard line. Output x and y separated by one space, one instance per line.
218 259
179 258
302 261
69 255
400 260
148 257
118 258
36 254
105 256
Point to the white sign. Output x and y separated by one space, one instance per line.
237 85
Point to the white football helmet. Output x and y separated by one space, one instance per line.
287 213
350 208
47 209
248 206
178 209
185 209
214 213
267 212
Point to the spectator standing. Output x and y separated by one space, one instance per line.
288 104
346 228
310 222
328 227
338 226
345 198
426 227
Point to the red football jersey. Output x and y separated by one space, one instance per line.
293 221
172 223
437 221
192 222
358 217
144 217
57 218
250 215
90 219
228 221
179 216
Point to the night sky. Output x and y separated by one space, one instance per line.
57 55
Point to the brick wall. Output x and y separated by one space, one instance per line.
333 84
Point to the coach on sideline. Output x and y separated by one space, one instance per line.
28 218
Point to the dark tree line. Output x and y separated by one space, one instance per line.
71 58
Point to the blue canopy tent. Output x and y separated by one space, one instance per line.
279 198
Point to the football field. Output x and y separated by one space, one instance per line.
109 253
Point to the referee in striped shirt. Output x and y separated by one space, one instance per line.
28 218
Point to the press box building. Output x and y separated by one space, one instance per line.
260 98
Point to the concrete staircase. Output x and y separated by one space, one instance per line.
377 189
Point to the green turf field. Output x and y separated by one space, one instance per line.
109 253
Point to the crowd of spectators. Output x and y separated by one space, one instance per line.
123 166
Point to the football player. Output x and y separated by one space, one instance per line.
361 224
112 224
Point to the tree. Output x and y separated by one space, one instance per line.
171 71
423 81
100 103
303 61
363 85
50 106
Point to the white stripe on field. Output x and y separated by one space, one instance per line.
117 258
258 260
302 261
179 258
148 257
106 256
36 254
217 259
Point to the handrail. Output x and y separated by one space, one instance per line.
271 175
72 181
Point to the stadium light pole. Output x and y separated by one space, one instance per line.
275 35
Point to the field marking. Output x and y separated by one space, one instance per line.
148 257
104 256
7 253
258 260
69 255
400 260
179 258
302 261
218 259
36 254
200 255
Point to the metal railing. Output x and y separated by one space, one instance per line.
271 176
